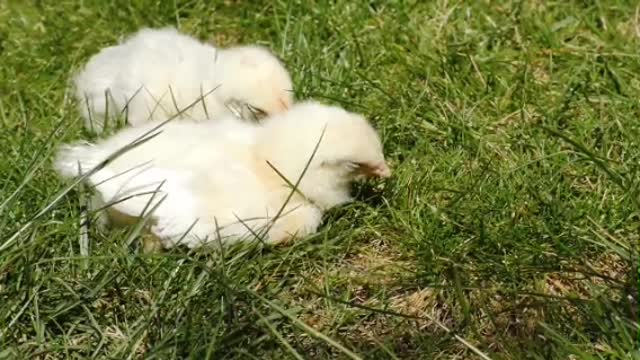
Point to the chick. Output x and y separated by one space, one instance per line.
156 73
229 180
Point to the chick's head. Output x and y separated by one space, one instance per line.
254 76
348 148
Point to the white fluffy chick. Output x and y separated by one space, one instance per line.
211 181
156 73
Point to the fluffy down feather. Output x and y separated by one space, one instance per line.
156 73
217 175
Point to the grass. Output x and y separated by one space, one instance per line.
509 229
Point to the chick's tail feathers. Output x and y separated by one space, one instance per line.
76 159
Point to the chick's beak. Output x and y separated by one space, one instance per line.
381 170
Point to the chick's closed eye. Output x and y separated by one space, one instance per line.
257 112
245 111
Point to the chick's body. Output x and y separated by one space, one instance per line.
158 73
206 175
218 173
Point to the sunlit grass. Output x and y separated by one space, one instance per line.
509 229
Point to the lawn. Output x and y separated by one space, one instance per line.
509 230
